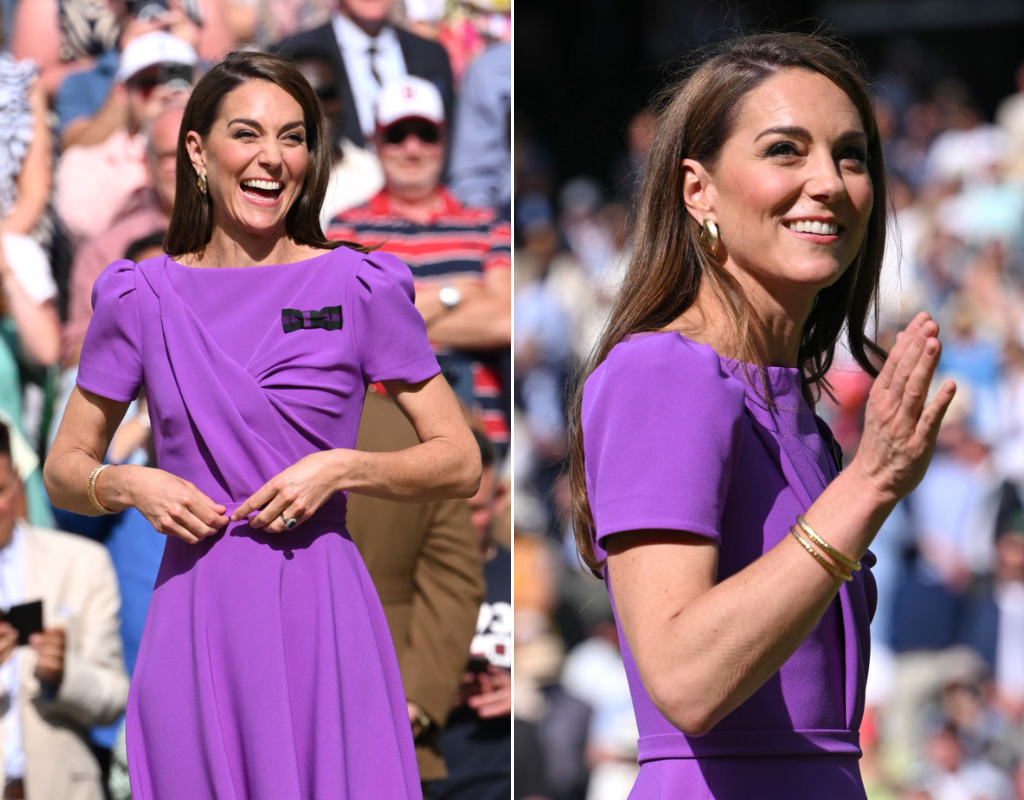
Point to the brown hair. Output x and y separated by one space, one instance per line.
668 262
191 223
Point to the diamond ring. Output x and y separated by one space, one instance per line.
289 522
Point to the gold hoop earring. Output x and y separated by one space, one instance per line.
201 182
709 235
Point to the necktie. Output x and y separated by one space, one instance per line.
371 52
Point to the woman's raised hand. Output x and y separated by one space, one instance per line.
295 493
900 427
174 506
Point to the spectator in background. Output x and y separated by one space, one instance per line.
478 740
72 674
25 145
460 257
29 337
156 69
356 175
481 165
148 211
93 104
66 37
367 53
425 565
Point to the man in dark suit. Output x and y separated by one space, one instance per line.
366 52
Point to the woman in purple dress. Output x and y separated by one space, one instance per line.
266 669
707 492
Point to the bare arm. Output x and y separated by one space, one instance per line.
701 647
113 114
482 321
172 505
38 324
446 463
34 179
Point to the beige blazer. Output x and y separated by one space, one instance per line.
75 579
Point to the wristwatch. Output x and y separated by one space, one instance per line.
450 297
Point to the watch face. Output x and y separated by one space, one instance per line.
449 297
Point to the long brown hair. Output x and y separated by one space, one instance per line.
191 223
668 262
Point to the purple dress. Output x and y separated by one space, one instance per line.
678 438
266 670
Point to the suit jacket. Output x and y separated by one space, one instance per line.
425 563
75 579
423 58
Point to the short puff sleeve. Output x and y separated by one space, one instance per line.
111 362
391 335
661 427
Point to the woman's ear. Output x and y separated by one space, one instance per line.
698 191
194 146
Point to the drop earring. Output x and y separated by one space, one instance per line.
201 182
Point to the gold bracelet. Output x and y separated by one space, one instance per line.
90 489
828 565
849 563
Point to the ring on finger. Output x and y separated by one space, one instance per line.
289 522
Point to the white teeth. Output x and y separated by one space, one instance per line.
269 186
813 226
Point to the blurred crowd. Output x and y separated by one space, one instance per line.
945 697
417 94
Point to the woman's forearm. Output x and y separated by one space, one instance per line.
711 653
435 470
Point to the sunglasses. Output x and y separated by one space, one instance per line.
426 132
166 73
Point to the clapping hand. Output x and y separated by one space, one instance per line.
900 427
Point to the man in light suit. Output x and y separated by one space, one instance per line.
71 674
367 52
425 565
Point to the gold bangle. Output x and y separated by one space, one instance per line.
849 563
90 489
828 565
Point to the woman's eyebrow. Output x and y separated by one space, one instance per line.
802 133
254 124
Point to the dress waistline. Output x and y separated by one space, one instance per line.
332 512
750 744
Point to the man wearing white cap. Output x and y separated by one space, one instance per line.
367 52
460 257
155 70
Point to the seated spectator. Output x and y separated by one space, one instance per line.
71 674
29 337
477 743
156 70
460 257
147 212
25 146
356 175
368 52
482 142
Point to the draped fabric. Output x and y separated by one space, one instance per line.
266 668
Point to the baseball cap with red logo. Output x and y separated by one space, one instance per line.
409 98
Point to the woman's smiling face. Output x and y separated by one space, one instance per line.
255 158
790 192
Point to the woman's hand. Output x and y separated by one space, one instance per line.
295 493
173 506
899 426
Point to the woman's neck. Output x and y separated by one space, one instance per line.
775 328
225 251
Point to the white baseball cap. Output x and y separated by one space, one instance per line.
409 98
158 47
